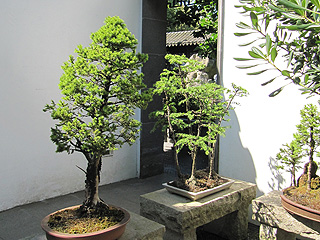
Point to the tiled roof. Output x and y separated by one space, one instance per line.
183 38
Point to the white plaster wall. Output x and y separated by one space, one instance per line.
37 36
261 124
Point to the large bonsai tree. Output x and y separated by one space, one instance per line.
192 110
101 88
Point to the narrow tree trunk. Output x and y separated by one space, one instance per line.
193 167
293 176
212 172
312 144
176 160
92 183
171 130
194 155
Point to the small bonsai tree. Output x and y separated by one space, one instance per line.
101 88
305 143
289 158
309 136
192 110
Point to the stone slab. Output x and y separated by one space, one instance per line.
183 216
277 223
141 228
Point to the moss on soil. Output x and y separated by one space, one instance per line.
70 221
200 183
304 197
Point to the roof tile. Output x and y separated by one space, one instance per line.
182 38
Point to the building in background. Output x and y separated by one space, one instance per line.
182 42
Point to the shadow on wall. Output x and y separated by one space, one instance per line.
236 160
277 180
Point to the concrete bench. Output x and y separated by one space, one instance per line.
182 216
278 224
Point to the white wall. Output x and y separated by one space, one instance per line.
261 124
37 36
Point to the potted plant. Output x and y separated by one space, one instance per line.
286 31
101 88
302 194
193 111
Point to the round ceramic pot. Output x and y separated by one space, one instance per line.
300 210
110 233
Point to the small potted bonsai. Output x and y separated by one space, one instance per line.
302 196
101 88
193 112
286 31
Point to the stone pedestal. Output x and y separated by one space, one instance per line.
278 224
182 216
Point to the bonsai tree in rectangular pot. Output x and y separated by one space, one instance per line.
193 111
101 88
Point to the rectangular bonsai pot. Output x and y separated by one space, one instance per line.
198 195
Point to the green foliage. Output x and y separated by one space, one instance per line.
306 142
101 87
193 111
289 158
309 129
201 16
294 36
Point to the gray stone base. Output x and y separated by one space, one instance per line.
270 233
182 216
278 224
140 228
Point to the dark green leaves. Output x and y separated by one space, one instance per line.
242 34
290 4
276 92
258 72
284 31
254 20
274 54
285 73
256 53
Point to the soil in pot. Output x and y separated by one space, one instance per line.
200 183
73 221
301 195
304 197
